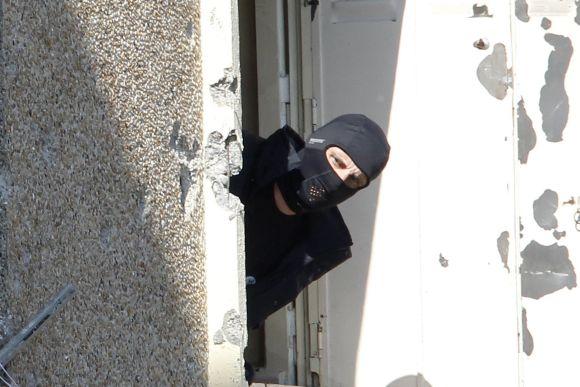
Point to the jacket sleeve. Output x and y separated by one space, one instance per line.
296 271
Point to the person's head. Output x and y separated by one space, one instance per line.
338 160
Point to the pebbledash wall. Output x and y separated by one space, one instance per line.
105 109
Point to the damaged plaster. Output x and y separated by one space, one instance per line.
528 340
493 73
526 133
577 18
545 270
522 10
554 103
544 209
223 158
224 90
189 157
231 330
410 381
503 247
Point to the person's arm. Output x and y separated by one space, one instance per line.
297 271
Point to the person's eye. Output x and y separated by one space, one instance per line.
339 162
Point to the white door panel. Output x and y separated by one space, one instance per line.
394 310
469 297
372 331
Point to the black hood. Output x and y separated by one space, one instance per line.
314 185
360 137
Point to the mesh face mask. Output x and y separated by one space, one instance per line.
314 185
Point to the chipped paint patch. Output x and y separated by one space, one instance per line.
577 18
522 10
528 340
481 11
503 247
554 103
481 44
526 133
545 270
410 381
493 74
443 261
544 209
546 23
559 234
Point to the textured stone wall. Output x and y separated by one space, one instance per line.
102 132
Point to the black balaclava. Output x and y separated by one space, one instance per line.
313 185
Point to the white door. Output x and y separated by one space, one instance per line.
430 297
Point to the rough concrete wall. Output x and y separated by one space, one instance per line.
103 123
4 181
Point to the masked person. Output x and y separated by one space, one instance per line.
290 189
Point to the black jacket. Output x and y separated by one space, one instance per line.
323 240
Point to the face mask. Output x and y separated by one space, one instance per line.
313 185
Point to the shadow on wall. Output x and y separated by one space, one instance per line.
410 381
103 119
373 48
